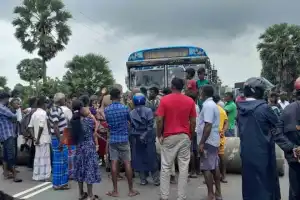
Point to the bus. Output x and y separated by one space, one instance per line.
156 67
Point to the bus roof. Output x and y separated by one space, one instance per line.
192 52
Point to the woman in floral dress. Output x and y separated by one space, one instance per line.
86 158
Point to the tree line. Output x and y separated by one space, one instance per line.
41 27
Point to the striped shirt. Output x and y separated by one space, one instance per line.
56 115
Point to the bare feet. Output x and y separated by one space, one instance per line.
113 194
133 193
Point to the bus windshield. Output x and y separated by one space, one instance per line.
147 76
178 71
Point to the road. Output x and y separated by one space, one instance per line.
196 189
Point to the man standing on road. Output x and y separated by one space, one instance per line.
257 125
7 138
231 110
290 126
176 118
39 128
209 143
118 118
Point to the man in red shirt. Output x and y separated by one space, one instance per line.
176 119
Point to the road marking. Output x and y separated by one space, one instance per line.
37 192
31 189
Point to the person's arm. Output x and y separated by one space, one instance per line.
192 118
150 124
226 125
101 110
229 108
208 116
160 113
30 128
42 124
277 131
7 113
55 115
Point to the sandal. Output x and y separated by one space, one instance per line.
84 196
133 193
112 194
193 176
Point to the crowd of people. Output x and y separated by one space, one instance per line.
66 137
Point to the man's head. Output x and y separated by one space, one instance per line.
201 73
228 96
144 91
207 91
283 96
273 98
59 99
190 73
15 103
177 84
297 89
41 102
167 91
4 98
153 92
192 95
216 98
115 94
32 101
85 99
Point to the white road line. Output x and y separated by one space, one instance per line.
37 192
31 189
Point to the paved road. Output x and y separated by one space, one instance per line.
196 189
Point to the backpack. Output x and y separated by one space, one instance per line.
24 130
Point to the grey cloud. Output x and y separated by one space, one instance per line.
176 18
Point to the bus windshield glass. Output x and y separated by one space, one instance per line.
149 76
178 71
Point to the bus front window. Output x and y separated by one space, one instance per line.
147 77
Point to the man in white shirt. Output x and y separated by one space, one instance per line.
39 126
208 134
282 101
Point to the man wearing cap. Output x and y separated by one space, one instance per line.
7 138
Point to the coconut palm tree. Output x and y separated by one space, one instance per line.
42 25
279 49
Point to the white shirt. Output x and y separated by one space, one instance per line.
283 104
39 119
67 112
210 114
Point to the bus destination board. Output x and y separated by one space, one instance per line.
166 53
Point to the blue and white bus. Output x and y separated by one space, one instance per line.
157 66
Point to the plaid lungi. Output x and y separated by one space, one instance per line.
60 175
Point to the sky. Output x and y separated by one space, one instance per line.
227 30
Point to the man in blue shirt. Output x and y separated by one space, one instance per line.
117 117
7 138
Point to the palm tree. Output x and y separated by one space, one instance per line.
279 50
42 25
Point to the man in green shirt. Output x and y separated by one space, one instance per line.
200 83
231 110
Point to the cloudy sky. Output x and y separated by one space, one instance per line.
227 30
